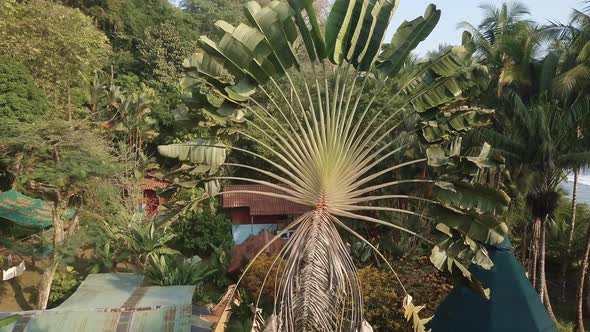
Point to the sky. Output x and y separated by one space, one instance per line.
455 11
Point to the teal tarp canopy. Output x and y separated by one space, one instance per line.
27 211
514 305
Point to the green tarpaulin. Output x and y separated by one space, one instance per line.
27 211
514 305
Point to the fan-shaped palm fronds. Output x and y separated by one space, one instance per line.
327 152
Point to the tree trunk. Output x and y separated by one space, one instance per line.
535 252
566 257
523 248
548 302
543 278
59 211
45 286
541 282
580 290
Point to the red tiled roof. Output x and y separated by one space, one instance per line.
151 183
260 205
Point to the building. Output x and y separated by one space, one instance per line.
253 213
152 202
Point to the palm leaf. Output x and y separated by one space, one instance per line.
5 321
406 39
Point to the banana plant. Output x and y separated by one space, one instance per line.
326 152
8 320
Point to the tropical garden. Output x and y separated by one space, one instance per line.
412 167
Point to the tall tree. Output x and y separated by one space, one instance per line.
161 53
573 41
20 98
541 144
508 42
57 158
60 45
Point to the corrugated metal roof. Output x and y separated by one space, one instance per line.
151 183
115 302
260 205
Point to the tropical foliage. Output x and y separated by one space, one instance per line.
176 270
62 45
395 155
200 233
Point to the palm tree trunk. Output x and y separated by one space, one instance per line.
548 302
541 282
580 290
544 292
566 257
523 247
534 253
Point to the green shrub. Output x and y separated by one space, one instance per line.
255 276
565 326
382 299
176 270
143 240
200 233
4 263
383 296
64 285
20 98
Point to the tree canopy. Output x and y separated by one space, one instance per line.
20 98
62 48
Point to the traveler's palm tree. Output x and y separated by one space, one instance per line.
330 154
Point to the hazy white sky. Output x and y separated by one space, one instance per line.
455 11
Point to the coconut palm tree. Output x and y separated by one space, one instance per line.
541 142
508 43
573 42
327 152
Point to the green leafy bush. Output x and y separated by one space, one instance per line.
4 263
143 241
255 276
20 98
382 299
64 284
176 270
200 233
383 296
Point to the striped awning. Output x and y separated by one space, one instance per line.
27 211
